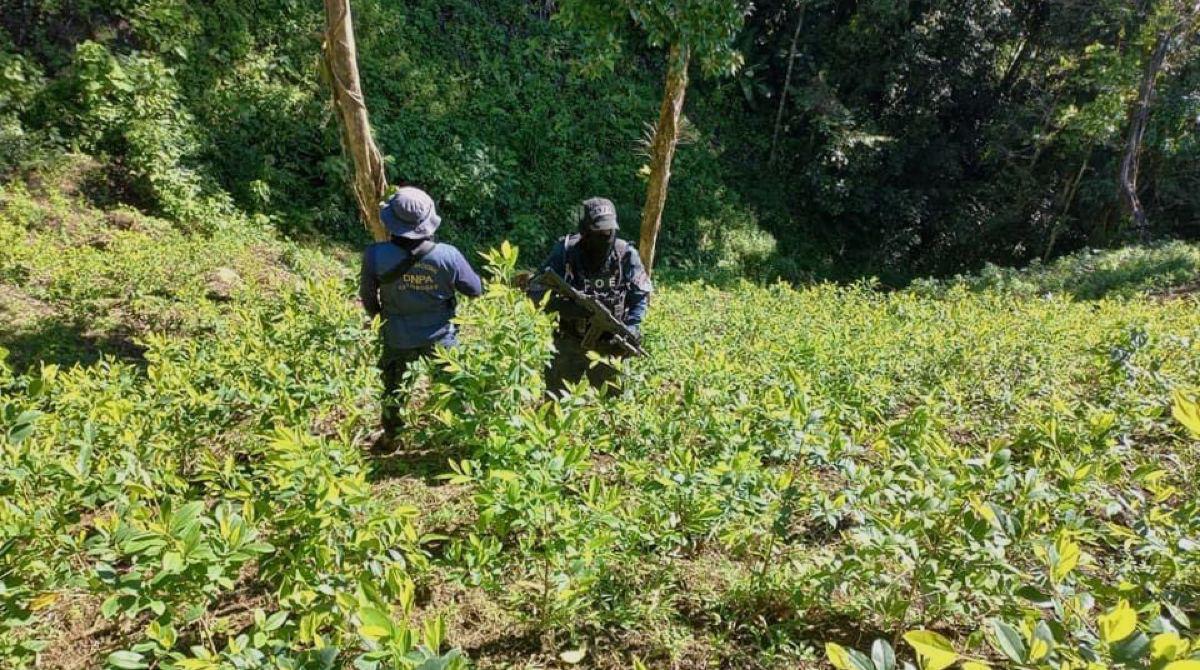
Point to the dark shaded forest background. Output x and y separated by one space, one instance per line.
916 137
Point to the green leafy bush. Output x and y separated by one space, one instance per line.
791 466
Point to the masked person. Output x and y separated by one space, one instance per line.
601 266
412 281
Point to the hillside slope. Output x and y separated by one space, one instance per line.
185 423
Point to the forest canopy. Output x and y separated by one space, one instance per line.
912 138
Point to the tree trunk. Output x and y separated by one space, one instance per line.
1139 118
787 81
341 63
1068 198
1033 23
662 150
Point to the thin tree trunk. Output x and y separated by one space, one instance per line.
1139 116
1068 198
1028 48
1013 71
341 63
1139 119
787 82
662 150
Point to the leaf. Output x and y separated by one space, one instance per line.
882 655
859 660
1009 641
375 624
1042 632
1035 596
1068 558
1131 649
573 656
1038 649
126 660
260 548
110 607
975 665
1167 646
1187 411
1189 664
838 656
185 517
1178 615
935 651
1119 623
43 601
165 636
435 633
23 427
275 621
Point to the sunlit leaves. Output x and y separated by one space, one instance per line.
1168 646
934 650
1186 410
1066 555
375 624
982 473
1118 623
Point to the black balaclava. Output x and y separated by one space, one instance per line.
594 247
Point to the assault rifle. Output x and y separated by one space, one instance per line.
600 320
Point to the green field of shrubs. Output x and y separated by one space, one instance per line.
999 469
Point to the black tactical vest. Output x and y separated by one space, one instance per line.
607 285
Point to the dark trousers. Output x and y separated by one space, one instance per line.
571 364
392 367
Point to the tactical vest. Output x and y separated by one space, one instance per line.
607 285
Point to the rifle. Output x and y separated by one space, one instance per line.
600 320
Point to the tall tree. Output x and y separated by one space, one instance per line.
1179 24
700 30
662 151
341 69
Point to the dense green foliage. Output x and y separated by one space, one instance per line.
791 468
195 109
996 466
941 131
917 136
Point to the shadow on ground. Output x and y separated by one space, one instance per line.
421 463
63 342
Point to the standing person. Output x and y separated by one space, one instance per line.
412 281
601 266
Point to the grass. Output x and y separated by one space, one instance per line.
185 423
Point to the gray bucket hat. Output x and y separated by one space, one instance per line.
598 214
410 214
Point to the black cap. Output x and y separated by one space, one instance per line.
598 214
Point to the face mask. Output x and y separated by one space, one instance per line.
594 247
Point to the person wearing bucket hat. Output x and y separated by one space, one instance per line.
412 282
602 266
